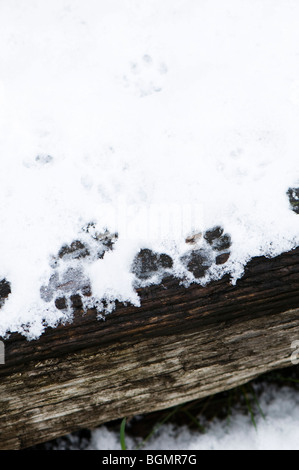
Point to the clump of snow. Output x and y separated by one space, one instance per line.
155 120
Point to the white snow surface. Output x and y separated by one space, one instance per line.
108 107
276 430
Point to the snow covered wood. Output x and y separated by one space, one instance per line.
181 344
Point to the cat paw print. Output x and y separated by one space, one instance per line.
197 262
66 289
220 243
293 195
5 290
40 161
148 264
69 285
210 247
145 76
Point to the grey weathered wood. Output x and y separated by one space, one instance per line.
181 344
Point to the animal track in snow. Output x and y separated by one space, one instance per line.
214 249
293 194
148 264
207 249
145 77
5 290
69 284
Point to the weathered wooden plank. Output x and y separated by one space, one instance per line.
181 344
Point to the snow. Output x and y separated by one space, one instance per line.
276 430
151 119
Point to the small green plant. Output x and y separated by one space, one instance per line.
245 391
177 409
194 420
158 425
281 378
256 401
249 407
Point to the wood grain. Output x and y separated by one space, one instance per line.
181 344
